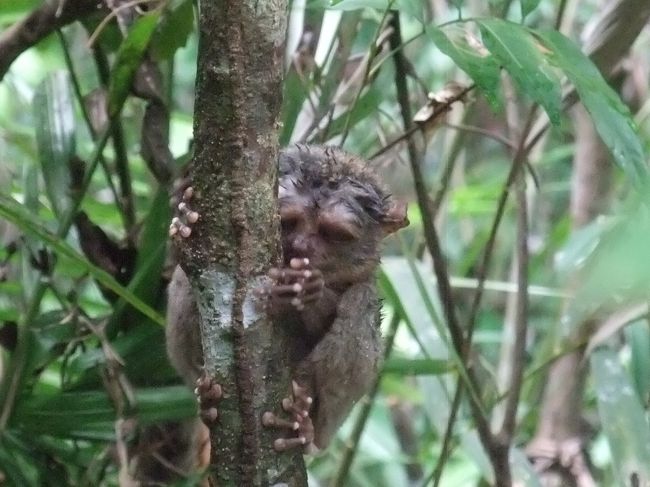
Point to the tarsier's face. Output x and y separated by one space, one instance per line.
333 212
332 228
327 232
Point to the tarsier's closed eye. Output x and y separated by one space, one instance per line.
336 233
289 223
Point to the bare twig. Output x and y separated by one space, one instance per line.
521 316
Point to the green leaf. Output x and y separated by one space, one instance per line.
55 137
15 10
611 117
623 418
470 56
617 271
175 27
527 6
15 213
518 53
128 59
294 94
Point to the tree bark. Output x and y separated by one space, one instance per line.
234 174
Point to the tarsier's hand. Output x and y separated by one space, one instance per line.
293 286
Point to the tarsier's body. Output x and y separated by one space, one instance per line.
334 214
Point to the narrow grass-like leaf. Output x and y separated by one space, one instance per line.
91 415
128 59
471 56
404 366
145 283
611 117
13 211
366 106
17 463
55 137
523 58
623 418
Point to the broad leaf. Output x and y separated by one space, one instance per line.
55 137
623 418
527 6
524 59
175 27
611 117
471 56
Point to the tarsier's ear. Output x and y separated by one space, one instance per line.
394 218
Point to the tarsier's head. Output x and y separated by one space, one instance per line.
334 211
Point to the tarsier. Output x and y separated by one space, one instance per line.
334 214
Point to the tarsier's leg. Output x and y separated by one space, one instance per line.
182 225
298 406
344 363
208 393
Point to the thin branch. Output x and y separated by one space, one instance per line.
433 245
521 316
445 449
481 131
439 110
40 23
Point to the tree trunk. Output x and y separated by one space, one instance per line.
234 174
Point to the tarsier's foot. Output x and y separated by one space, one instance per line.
182 225
298 406
296 285
208 394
